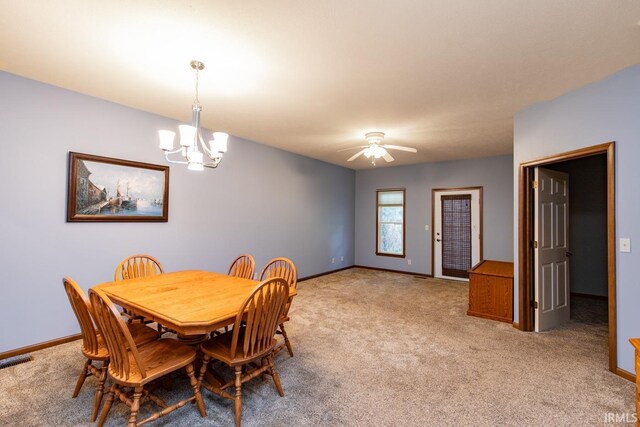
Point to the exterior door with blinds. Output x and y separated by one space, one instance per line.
457 231
456 235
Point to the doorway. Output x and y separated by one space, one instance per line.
526 240
457 231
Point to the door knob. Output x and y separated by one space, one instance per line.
437 240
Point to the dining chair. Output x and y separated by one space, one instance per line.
93 345
134 366
251 340
286 269
134 266
244 266
137 266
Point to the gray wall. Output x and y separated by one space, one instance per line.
494 174
604 111
587 223
260 200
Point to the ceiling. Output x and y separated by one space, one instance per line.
312 77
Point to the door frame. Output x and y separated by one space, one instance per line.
433 222
525 237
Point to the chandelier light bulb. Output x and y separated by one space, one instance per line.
166 139
219 143
187 135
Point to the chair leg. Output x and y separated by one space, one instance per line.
274 375
107 404
99 391
203 369
286 339
263 362
81 378
238 398
135 407
196 389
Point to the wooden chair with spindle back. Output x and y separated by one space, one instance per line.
137 266
135 367
244 266
286 269
134 266
252 339
93 345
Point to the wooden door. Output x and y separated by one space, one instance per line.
551 248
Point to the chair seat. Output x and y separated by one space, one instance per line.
141 334
159 358
101 355
219 347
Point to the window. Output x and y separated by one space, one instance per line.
390 222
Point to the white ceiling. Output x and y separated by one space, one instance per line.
311 77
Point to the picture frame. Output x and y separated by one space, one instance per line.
105 189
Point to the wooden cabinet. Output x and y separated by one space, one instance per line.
491 291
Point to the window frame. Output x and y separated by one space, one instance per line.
404 221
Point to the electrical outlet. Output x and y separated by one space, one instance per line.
426 228
333 260
409 262
341 258
625 244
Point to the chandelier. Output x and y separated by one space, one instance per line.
192 146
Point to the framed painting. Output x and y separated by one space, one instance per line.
103 189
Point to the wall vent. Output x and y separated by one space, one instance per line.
17 360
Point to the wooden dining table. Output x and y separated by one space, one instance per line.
192 302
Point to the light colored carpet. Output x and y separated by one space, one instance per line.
373 348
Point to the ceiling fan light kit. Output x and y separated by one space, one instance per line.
376 150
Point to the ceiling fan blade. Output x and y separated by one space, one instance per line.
388 157
355 155
400 147
352 148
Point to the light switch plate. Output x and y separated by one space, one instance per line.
625 244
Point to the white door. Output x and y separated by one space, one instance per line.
551 248
438 232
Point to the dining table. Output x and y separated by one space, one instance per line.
192 303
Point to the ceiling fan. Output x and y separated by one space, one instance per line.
375 149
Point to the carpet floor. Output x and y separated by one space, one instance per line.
373 348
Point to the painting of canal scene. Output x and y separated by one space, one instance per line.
106 189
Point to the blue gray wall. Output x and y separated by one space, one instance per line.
494 174
260 200
608 110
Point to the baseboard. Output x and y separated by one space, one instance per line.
394 271
302 279
625 374
39 346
